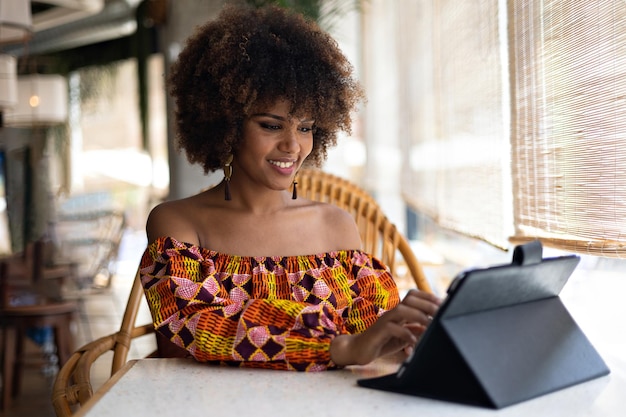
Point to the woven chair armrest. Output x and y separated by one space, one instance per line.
72 385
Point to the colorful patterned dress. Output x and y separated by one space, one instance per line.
269 312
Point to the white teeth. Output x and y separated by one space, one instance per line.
282 164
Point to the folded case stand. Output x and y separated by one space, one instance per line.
501 337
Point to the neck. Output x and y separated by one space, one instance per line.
255 199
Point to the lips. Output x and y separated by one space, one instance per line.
282 164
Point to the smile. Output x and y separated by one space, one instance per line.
280 164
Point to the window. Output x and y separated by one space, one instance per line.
111 165
517 129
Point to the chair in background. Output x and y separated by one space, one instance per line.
29 300
91 239
72 388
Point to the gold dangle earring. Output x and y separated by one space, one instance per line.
228 171
294 193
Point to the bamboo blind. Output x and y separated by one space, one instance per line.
454 116
568 66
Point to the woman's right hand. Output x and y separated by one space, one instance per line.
397 329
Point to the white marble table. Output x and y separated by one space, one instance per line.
177 387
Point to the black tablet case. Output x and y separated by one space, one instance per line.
502 336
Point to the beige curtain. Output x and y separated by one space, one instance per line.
569 123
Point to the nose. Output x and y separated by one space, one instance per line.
289 142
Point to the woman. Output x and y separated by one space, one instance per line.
246 272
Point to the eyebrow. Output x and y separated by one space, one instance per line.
281 118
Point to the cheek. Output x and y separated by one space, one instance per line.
307 146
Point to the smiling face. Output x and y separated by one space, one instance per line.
274 146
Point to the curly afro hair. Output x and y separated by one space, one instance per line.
254 56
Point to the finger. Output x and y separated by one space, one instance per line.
415 326
417 329
408 350
417 311
404 314
423 302
404 333
424 295
394 337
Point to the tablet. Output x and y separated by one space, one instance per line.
501 336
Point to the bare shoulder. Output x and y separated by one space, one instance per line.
339 226
172 219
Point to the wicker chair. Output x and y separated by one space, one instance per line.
72 387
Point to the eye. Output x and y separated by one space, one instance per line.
269 126
306 129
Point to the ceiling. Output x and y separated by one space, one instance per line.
69 34
52 13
